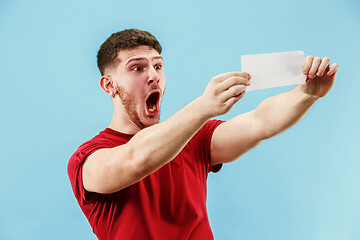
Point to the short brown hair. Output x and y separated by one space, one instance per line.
126 39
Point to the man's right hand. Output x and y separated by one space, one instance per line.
223 91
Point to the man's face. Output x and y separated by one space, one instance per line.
141 84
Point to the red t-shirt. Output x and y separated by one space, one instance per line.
168 204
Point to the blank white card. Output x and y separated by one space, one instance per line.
274 69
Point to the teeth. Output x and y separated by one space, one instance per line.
152 109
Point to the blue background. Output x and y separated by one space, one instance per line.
301 184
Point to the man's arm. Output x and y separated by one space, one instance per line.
274 115
110 170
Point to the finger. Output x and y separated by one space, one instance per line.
229 103
230 82
307 64
314 67
224 76
323 66
232 92
333 69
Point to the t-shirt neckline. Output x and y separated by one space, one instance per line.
119 134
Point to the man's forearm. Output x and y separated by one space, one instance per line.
278 113
158 144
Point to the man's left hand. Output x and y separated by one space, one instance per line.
320 76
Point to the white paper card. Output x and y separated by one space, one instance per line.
274 69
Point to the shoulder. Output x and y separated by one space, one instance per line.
78 158
102 140
209 128
201 143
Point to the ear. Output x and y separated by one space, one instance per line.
108 85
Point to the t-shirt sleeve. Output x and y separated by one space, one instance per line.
206 133
75 169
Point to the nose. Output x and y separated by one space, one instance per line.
153 76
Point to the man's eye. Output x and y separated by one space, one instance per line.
137 69
157 67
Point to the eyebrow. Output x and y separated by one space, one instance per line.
142 58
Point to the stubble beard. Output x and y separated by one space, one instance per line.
129 102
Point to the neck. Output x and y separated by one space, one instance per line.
121 121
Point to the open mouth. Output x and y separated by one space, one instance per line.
152 103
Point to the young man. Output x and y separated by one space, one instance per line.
140 179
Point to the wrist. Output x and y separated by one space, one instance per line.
305 97
200 108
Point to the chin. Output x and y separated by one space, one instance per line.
152 121
147 121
